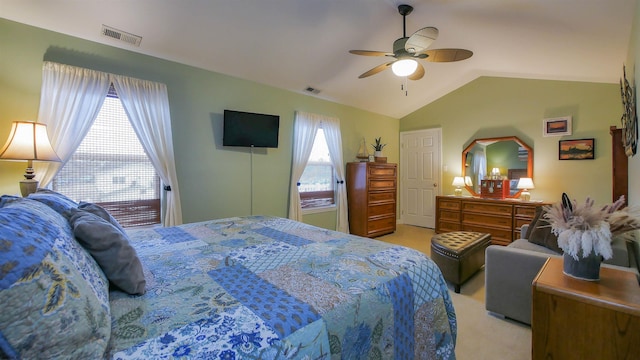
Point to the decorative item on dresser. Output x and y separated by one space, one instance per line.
525 184
371 195
458 182
495 189
500 218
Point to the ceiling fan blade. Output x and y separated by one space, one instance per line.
418 74
370 53
447 55
376 70
421 40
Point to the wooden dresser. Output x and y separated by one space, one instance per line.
576 319
500 218
371 194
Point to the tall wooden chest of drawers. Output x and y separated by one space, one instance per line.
371 194
500 218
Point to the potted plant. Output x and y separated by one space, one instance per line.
585 232
378 146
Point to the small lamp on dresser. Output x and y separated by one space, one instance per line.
525 184
458 182
28 141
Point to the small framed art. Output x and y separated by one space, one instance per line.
582 149
556 126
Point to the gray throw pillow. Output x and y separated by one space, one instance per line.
111 249
96 209
539 232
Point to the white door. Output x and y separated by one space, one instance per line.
419 176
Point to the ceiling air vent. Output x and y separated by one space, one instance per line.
312 90
120 35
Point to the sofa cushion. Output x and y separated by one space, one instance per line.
539 232
524 244
49 286
111 249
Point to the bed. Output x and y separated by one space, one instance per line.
239 288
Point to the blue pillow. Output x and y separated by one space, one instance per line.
54 296
7 199
54 200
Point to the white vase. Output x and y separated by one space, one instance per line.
377 153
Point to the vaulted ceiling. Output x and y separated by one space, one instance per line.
296 44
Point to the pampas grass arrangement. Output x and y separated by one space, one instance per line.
583 228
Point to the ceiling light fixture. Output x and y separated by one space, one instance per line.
404 67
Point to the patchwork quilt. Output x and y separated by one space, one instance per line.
272 288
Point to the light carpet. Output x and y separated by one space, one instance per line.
485 336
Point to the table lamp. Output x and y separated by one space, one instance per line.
458 182
525 184
28 141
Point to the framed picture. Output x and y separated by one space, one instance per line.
582 149
556 126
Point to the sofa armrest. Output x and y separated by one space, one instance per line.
509 274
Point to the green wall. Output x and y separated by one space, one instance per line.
214 180
493 107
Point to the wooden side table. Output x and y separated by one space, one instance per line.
577 319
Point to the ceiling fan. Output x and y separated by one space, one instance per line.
407 49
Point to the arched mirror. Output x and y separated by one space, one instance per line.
509 155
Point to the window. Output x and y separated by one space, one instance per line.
111 169
317 181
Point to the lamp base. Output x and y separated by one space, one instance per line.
28 186
525 195
458 192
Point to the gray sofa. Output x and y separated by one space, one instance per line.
510 270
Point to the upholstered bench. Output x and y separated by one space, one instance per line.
459 254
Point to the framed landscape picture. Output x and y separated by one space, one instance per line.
582 149
556 126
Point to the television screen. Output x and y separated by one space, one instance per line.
250 129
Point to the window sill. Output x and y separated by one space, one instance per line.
319 209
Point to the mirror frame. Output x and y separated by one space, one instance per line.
496 139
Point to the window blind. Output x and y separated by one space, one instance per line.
110 168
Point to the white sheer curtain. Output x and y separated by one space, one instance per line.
479 166
331 127
147 106
70 100
305 127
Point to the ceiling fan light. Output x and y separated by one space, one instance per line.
404 67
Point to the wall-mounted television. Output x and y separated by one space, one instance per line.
250 129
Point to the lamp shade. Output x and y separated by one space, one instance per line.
525 183
404 67
28 141
458 181
467 181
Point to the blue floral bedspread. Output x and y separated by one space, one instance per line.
272 288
